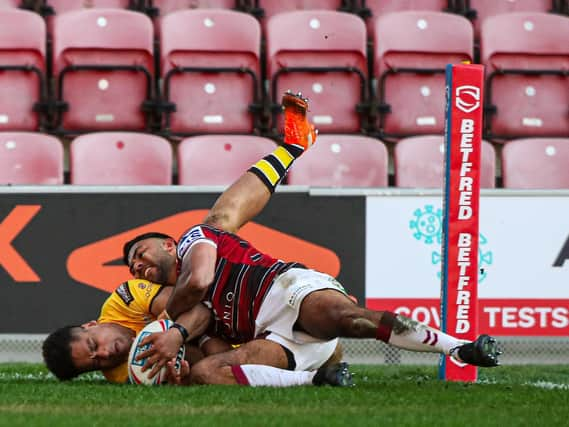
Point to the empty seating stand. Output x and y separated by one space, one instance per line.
120 158
219 159
103 67
22 70
411 52
28 158
527 75
342 161
323 55
210 71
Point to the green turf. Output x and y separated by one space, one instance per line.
398 396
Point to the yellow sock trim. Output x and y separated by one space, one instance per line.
268 171
284 156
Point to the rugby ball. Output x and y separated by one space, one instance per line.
135 374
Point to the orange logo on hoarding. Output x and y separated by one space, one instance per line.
14 264
89 264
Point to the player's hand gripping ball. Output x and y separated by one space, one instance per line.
135 374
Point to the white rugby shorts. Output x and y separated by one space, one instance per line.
279 312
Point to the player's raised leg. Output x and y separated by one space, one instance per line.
246 197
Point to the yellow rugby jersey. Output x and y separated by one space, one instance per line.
129 306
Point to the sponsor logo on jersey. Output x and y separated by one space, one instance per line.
188 239
123 292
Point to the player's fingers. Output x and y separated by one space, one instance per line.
147 365
164 315
149 339
156 368
178 376
146 353
184 368
172 375
153 361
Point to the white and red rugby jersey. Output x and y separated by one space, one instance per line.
243 276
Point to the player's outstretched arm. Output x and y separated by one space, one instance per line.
246 197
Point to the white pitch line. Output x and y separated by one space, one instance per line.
548 385
43 376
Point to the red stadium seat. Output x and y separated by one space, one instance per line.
419 162
22 69
527 84
536 163
219 159
61 6
411 52
10 4
323 55
157 9
120 158
211 71
372 9
104 71
342 161
479 10
268 8
30 158
164 7
51 8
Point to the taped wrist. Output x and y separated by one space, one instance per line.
272 169
183 331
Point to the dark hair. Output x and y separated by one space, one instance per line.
56 350
152 235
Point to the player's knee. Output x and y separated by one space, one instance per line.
204 372
198 375
336 357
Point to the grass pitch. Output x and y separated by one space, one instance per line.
384 395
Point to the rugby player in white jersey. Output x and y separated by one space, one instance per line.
286 315
104 344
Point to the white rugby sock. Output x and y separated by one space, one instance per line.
420 337
261 375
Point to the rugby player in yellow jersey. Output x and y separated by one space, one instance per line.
104 344
130 306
